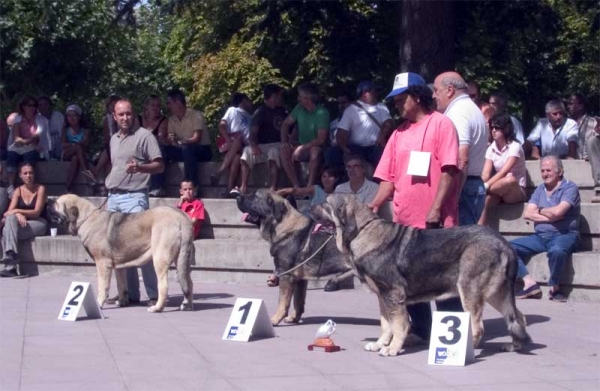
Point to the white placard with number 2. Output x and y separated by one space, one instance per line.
80 295
451 340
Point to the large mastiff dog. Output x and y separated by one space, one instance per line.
162 235
405 265
293 239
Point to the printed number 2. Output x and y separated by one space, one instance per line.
246 309
451 329
79 290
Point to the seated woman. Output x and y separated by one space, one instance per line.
23 219
506 157
75 141
24 139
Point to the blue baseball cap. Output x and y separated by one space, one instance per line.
364 86
404 80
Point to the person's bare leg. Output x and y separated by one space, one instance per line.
245 168
234 171
288 167
72 172
235 147
490 200
314 165
273 173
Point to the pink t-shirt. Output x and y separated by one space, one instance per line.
414 195
499 158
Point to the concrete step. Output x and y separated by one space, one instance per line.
235 261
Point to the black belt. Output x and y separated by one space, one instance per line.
121 191
473 177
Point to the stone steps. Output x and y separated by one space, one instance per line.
232 251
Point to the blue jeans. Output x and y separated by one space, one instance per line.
471 201
371 154
13 159
135 203
558 246
190 155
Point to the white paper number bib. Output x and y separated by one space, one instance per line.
418 164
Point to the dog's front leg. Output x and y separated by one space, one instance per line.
121 275
399 323
386 331
299 300
286 290
103 269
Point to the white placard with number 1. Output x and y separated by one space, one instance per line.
451 339
80 294
249 318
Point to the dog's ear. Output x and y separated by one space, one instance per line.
72 217
278 209
348 222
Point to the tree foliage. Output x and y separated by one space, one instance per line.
82 51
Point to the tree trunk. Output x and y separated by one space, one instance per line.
427 33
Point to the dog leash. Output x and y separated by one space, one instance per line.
101 205
308 259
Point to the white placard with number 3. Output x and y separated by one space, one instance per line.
451 339
249 318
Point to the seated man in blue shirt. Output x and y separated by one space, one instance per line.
554 209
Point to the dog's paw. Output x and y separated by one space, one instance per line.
387 351
509 347
153 309
291 319
372 347
275 320
186 307
123 303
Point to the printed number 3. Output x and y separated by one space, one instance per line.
79 290
246 309
451 329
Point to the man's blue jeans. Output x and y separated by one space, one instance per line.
134 203
190 155
558 246
471 201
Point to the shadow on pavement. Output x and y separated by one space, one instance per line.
340 320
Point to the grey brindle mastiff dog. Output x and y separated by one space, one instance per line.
162 235
293 239
405 265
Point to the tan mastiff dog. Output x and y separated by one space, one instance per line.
162 235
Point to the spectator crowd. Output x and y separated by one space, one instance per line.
450 157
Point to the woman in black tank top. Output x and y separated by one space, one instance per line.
23 219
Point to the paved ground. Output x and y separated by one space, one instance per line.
135 350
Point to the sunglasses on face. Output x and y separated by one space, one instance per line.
496 128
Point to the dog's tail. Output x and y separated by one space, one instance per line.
515 320
187 257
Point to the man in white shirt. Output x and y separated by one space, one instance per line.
450 94
364 127
363 189
499 101
554 135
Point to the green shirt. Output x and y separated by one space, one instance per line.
310 123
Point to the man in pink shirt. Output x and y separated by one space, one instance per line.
419 167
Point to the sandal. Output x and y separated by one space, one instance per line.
90 176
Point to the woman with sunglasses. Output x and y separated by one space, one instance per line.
25 140
504 172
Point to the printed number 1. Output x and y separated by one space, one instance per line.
452 329
246 309
79 290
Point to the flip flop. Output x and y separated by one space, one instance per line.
89 174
